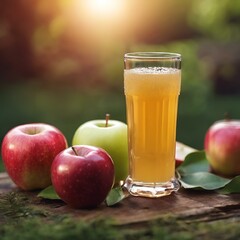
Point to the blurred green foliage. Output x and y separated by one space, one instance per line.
218 20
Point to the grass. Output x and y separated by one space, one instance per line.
67 228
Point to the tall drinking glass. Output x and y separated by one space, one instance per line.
152 83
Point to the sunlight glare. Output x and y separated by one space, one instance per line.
104 8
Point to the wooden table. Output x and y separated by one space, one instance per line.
195 214
200 206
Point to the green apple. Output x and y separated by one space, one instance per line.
111 135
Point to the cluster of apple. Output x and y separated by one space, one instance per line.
37 155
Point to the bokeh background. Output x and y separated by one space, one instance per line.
61 61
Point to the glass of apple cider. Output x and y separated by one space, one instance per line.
152 82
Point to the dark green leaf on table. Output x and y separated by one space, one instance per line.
204 180
49 193
194 162
232 187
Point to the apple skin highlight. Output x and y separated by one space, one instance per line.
83 177
28 152
222 146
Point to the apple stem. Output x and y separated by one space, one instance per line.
227 116
107 119
74 150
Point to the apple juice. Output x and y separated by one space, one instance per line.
152 99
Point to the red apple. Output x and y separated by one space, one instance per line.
83 175
28 152
222 146
182 150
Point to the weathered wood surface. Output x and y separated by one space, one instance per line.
188 205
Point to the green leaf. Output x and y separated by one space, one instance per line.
116 195
232 187
49 193
204 180
194 162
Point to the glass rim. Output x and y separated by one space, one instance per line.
152 55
